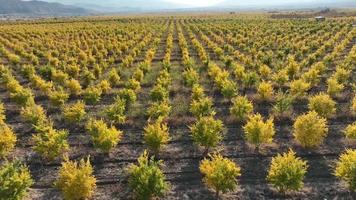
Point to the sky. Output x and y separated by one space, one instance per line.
198 3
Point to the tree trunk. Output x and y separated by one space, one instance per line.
217 194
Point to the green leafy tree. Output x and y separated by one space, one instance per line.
257 131
15 180
103 137
146 178
76 180
287 172
220 174
346 170
207 132
310 129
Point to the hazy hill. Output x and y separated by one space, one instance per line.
34 8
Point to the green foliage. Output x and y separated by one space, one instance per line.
76 180
241 107
345 168
113 77
116 111
265 91
334 87
74 113
310 129
280 77
50 143
299 87
138 75
156 135
58 97
207 132
287 172
133 84
323 105
250 79
257 131
197 92
7 140
15 180
128 95
92 95
105 87
202 107
283 103
22 97
159 93
103 137
146 178
160 109
74 87
190 76
350 131
220 174
34 114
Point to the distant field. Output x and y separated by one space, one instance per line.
135 71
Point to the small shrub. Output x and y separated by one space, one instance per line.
92 95
265 91
103 138
191 77
280 77
257 131
310 129
50 143
128 95
58 97
220 174
228 89
265 71
350 131
283 103
74 87
156 136
114 77
105 87
241 107
207 132
34 114
287 172
15 180
346 170
146 178
116 111
197 92
299 87
323 105
138 75
159 93
250 79
312 77
334 87
76 180
7 140
133 84
342 75
159 110
74 113
202 107
22 97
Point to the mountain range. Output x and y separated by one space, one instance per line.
86 7
39 8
